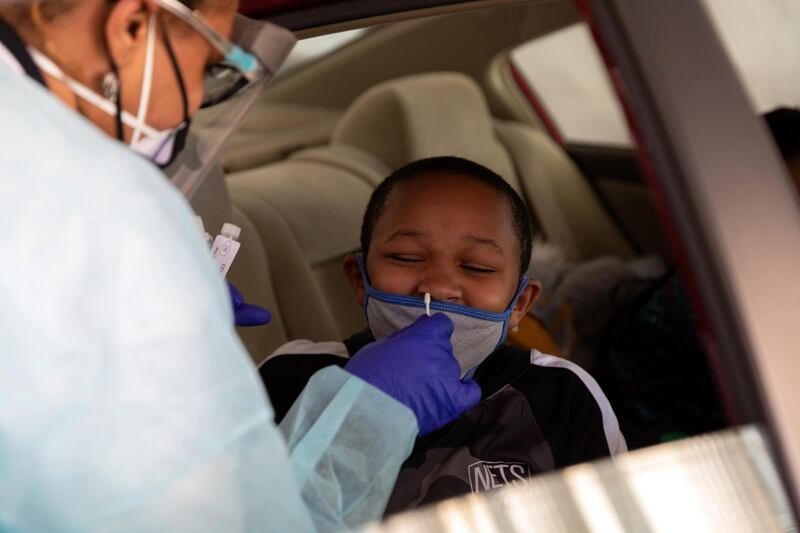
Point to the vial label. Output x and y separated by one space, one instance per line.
224 251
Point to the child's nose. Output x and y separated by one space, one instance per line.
440 285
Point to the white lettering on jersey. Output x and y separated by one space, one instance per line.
488 475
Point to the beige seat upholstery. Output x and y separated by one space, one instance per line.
272 132
425 115
306 215
301 215
251 271
568 211
505 98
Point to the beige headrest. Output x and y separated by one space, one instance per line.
425 115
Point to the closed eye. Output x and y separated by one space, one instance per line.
478 269
405 258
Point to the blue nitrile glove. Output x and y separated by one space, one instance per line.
416 367
247 314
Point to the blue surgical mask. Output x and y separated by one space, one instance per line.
476 333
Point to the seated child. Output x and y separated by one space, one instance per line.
452 231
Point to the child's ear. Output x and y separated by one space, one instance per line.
353 273
524 302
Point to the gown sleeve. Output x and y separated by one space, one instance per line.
347 441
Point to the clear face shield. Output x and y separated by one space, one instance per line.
251 57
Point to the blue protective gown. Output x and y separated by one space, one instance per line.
127 402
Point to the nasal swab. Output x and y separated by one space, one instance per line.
428 303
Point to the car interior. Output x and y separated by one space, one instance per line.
297 175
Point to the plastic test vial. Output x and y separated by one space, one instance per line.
225 247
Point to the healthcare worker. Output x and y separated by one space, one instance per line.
127 403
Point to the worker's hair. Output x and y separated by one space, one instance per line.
29 12
784 124
455 166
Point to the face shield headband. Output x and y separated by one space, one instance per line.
252 56
476 334
238 67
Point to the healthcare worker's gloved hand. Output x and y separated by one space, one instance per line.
416 367
247 314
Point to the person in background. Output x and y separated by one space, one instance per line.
784 125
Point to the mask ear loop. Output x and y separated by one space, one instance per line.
180 138
523 284
147 80
176 68
362 266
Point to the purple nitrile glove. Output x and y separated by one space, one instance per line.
416 367
247 314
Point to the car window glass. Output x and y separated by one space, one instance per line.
565 72
761 38
314 48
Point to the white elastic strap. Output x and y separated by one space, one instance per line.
147 81
47 65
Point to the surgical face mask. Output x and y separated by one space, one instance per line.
476 333
160 146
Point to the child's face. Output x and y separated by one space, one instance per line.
450 236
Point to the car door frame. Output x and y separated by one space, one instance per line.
725 197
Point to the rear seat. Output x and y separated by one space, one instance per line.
301 215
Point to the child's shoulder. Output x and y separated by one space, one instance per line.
567 391
550 378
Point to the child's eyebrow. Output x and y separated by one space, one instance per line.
402 234
484 241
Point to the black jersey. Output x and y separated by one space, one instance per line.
538 413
